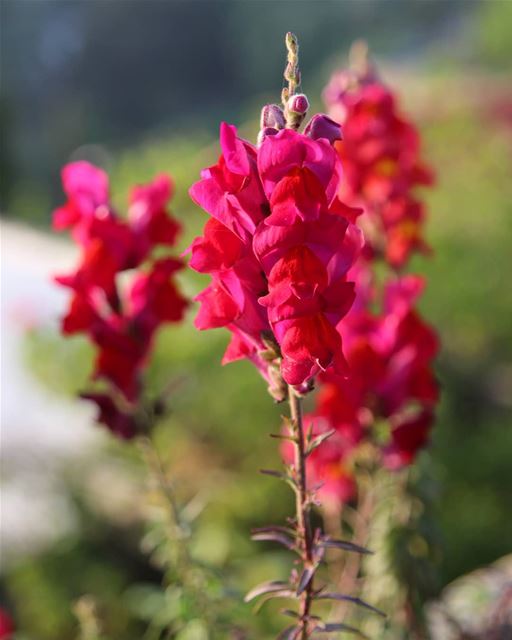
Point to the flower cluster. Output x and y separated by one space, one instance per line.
387 398
120 321
278 247
390 393
380 153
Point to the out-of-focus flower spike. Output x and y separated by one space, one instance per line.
360 62
120 322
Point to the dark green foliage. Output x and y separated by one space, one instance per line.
216 434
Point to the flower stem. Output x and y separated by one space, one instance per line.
304 533
154 464
181 567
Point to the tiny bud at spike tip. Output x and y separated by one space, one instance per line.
298 104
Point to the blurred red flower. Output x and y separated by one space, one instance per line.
381 157
119 320
6 625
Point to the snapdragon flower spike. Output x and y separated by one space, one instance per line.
391 382
381 156
390 392
278 247
121 322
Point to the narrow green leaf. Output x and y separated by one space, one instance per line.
305 579
290 633
354 600
283 593
331 543
274 473
317 441
332 627
265 588
274 536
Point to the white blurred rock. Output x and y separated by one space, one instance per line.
40 431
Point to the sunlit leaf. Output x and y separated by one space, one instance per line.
331 543
265 588
353 599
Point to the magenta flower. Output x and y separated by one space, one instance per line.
389 356
278 249
120 322
381 156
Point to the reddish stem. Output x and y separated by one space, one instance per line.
304 533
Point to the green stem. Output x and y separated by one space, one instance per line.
155 466
178 531
302 506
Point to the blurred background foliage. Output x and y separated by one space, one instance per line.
140 87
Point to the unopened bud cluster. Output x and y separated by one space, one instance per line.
273 119
272 116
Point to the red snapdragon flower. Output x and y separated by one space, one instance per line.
86 187
278 248
390 381
388 395
120 321
381 157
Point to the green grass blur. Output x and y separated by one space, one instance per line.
216 437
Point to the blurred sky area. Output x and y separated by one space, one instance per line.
83 72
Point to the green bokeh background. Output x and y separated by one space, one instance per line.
125 77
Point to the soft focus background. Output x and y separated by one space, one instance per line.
139 87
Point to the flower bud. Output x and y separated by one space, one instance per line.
272 116
291 42
267 131
277 388
298 104
321 126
